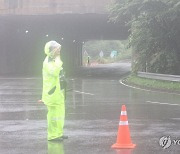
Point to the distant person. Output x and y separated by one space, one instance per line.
53 92
88 61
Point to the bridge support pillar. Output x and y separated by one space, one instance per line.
71 56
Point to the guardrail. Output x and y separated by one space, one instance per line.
159 76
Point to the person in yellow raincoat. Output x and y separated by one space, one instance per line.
53 94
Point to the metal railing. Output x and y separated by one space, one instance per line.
159 76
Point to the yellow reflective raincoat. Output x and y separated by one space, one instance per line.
52 95
51 72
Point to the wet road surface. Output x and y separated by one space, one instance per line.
92 116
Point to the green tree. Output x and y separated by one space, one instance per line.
155 33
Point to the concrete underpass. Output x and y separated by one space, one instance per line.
25 29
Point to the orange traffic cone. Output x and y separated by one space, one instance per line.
123 138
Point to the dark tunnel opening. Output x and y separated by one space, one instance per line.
23 38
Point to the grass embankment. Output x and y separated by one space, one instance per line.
152 84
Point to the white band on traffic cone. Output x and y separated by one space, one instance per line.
123 123
123 113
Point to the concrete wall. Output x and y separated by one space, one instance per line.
44 7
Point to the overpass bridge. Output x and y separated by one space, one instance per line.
26 25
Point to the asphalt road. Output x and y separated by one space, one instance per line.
93 109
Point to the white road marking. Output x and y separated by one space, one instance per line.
163 103
20 78
120 81
83 92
